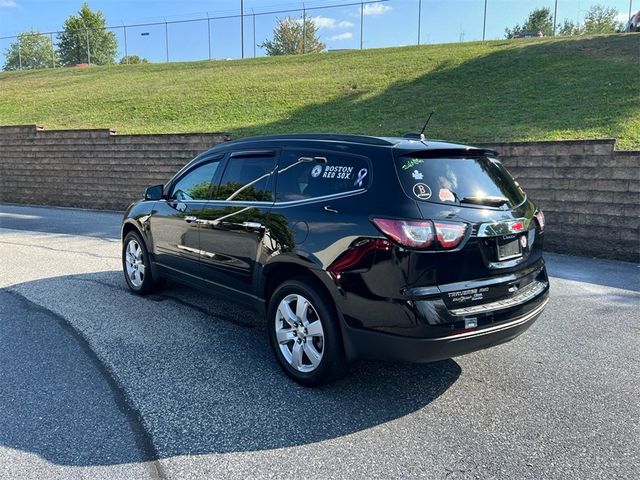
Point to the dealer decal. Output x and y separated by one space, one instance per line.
471 295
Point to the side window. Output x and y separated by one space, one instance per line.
302 176
247 178
196 185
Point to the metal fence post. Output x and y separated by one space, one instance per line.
419 19
304 28
166 38
126 50
53 53
361 23
209 34
484 22
242 28
19 55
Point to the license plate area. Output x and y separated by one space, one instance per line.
508 247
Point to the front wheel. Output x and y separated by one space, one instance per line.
136 265
304 336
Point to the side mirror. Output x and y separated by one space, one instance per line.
154 193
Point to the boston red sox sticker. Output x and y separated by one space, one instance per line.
422 191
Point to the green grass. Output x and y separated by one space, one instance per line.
566 88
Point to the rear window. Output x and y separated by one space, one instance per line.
473 180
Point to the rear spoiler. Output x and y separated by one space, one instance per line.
448 152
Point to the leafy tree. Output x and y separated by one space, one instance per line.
293 36
569 28
539 20
72 44
31 50
132 60
600 19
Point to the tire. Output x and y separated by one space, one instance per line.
136 265
312 352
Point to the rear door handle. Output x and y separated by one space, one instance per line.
190 218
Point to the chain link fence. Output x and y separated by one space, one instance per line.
239 33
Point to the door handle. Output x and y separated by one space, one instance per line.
190 218
254 225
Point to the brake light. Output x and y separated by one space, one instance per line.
539 216
421 234
410 233
450 234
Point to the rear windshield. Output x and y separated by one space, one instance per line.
474 181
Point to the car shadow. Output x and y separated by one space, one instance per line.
194 374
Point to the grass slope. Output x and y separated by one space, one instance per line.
567 88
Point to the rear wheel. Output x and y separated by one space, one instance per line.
136 265
303 333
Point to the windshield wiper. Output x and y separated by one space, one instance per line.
492 201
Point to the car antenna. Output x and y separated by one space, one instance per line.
420 136
425 126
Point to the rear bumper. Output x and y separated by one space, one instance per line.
372 345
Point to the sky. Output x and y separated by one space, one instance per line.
389 23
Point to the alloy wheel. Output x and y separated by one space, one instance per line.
299 333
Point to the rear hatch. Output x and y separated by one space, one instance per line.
502 246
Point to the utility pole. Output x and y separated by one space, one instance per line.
361 23
209 34
484 22
630 2
555 14
242 27
419 19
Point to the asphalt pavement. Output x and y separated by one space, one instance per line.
98 383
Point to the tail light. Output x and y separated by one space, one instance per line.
539 216
357 256
422 234
450 234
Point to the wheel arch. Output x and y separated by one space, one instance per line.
276 273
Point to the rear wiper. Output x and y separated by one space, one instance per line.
490 201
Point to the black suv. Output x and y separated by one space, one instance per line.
353 246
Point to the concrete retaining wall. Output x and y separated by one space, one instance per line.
589 193
90 168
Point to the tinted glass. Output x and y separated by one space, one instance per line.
196 185
481 181
301 177
247 178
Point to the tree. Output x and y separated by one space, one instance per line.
87 27
293 36
539 20
601 19
569 28
132 60
31 50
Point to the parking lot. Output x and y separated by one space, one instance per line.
98 383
